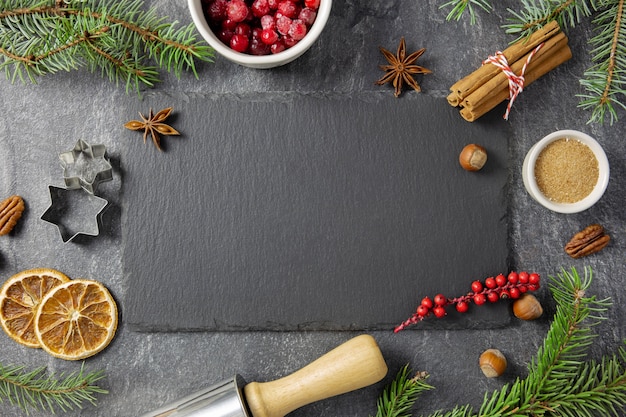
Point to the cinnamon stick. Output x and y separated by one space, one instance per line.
500 80
471 82
561 56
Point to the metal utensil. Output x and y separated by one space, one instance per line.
355 364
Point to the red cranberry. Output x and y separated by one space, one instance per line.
268 22
313 4
256 33
229 24
217 10
513 278
283 24
269 36
242 29
237 10
307 15
258 48
225 35
288 8
278 47
289 41
239 43
286 21
297 31
260 8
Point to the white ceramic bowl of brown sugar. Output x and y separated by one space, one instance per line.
566 171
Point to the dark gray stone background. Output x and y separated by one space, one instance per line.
311 213
147 369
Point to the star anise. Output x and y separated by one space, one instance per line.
154 125
401 68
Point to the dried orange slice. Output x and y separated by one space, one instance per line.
20 297
77 319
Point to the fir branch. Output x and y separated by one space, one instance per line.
605 81
561 381
398 398
118 38
535 14
458 8
36 391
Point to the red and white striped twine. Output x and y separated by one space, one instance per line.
516 82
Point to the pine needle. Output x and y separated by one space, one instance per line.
120 39
37 391
398 398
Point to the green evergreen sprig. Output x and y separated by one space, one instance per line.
400 395
561 380
458 8
121 39
604 82
38 391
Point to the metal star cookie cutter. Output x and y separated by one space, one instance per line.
74 212
85 166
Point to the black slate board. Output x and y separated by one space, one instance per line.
317 213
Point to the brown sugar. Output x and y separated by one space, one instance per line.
566 171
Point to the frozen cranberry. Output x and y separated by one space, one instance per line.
279 46
229 24
273 4
297 31
256 33
313 4
217 10
289 41
268 22
243 29
260 8
269 36
283 24
237 10
258 48
225 35
239 43
307 15
288 8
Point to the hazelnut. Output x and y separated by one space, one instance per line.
527 307
473 157
492 362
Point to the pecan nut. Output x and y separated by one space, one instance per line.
589 240
11 210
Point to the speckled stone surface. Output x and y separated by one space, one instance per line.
145 370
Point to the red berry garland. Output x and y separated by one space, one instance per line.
492 290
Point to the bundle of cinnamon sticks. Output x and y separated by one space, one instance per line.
488 86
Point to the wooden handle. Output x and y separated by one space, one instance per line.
350 366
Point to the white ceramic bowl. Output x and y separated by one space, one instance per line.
530 182
264 61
